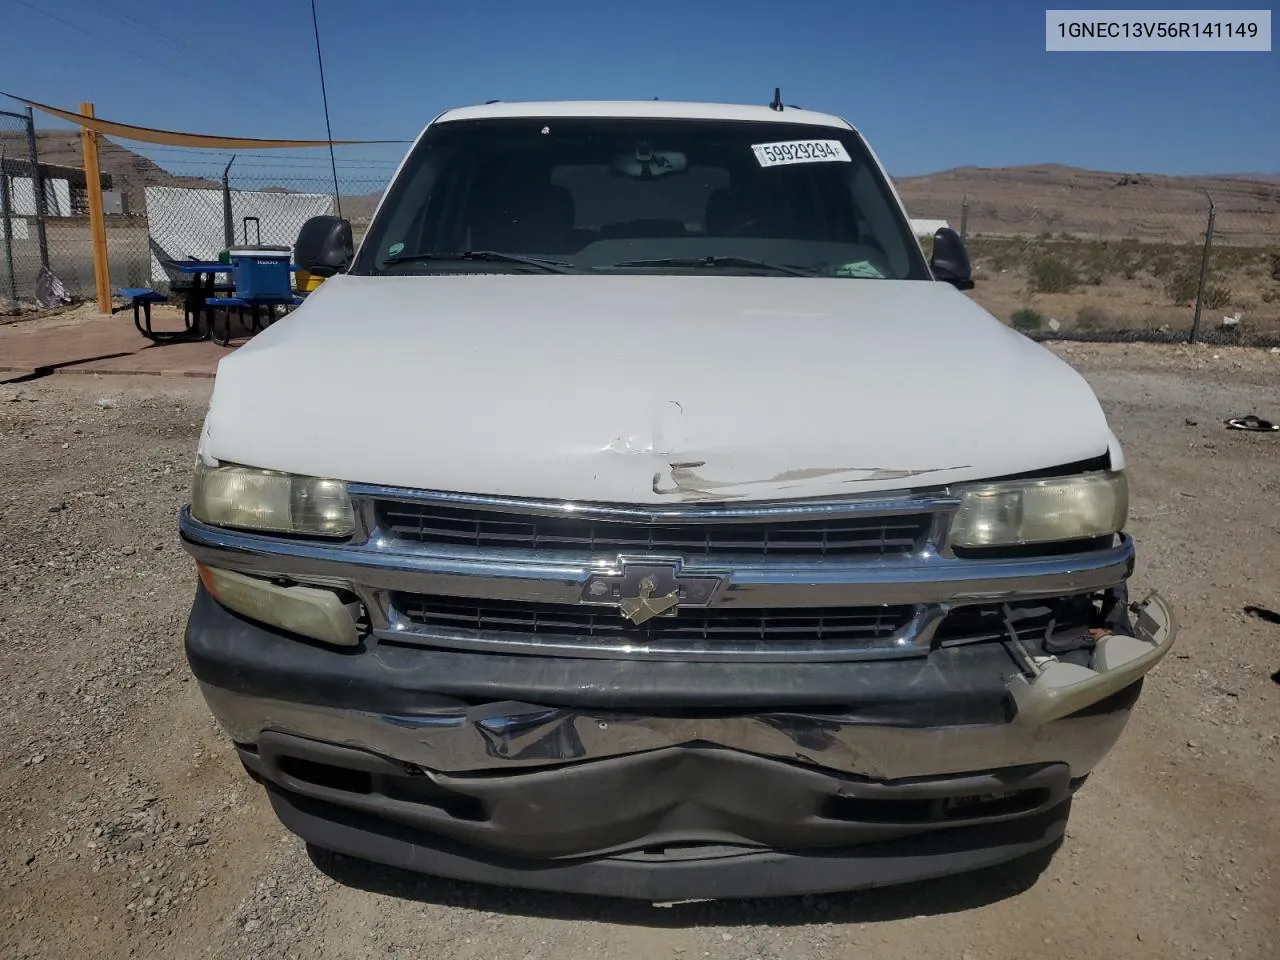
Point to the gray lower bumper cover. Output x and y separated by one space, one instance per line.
698 872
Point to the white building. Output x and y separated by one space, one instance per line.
927 228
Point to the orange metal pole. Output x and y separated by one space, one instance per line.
97 219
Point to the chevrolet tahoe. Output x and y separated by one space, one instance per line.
638 510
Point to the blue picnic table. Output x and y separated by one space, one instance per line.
194 295
255 305
202 303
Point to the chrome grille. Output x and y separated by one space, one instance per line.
693 630
849 537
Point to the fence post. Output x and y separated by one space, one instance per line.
7 223
97 220
1204 270
964 217
37 185
228 224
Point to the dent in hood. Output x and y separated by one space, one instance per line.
648 388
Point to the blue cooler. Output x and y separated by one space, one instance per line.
261 272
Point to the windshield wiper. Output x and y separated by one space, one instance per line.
743 263
489 256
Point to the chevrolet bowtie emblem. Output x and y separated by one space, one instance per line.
641 608
644 588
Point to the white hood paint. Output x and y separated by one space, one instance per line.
647 389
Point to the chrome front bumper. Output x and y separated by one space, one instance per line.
1057 718
519 735
647 781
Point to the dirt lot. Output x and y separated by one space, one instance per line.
130 830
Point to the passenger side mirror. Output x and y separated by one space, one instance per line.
950 260
324 246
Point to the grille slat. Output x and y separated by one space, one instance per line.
840 537
719 627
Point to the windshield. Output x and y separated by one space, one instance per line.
594 195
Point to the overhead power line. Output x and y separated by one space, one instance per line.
147 58
178 44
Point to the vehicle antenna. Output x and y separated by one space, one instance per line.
328 130
777 100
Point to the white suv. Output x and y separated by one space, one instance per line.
638 512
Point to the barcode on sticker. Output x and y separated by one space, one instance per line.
799 151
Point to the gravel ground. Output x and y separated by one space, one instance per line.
129 828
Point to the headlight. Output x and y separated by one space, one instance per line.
268 500
1041 511
310 611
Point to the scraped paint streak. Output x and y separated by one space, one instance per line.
688 484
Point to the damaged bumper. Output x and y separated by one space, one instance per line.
665 780
1057 688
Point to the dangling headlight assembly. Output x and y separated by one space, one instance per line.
268 500
1057 509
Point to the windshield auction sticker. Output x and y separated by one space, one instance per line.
799 151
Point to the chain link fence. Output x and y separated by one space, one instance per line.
23 248
46 250
1105 262
178 204
210 201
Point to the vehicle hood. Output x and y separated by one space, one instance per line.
640 389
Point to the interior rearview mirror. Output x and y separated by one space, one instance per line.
647 164
950 260
324 246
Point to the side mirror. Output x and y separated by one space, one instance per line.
950 260
324 246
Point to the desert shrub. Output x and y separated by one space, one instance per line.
1090 317
1052 275
1229 257
1027 319
1095 255
1181 286
1164 262
1122 259
1216 296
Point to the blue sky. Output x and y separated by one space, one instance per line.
933 84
